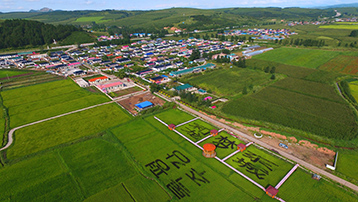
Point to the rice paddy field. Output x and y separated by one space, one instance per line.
126 159
36 102
353 85
9 73
347 159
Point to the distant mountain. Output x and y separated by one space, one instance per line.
42 10
338 6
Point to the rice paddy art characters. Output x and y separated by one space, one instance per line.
179 161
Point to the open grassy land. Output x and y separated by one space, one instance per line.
41 101
260 166
228 82
311 58
301 187
351 27
47 134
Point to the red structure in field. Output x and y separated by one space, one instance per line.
271 191
214 132
171 126
241 147
209 150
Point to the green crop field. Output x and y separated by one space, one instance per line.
42 101
47 134
260 166
174 117
228 82
97 19
347 159
354 89
296 110
301 187
196 130
225 144
310 58
343 64
28 80
10 73
339 27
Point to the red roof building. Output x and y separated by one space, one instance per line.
241 147
271 191
171 126
214 132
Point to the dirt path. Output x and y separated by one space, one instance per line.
267 146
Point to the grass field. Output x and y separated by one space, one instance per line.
229 82
78 38
28 80
260 166
41 101
352 27
225 144
47 134
310 58
174 117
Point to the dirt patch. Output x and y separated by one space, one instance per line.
133 100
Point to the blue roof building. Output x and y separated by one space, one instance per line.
144 105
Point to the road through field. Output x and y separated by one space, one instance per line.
283 153
11 132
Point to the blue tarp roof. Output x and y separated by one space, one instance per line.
144 104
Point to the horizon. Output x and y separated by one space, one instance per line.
8 6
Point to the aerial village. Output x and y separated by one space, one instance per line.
143 61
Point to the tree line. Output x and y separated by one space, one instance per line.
18 33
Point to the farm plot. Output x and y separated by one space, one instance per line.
310 88
260 166
318 116
342 63
125 91
196 130
28 80
41 101
5 74
346 165
183 165
225 144
352 27
301 187
42 178
48 134
228 82
174 116
310 58
354 89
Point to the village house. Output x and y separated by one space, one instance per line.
111 86
98 80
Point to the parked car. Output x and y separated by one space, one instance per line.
283 145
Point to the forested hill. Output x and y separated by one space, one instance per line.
18 33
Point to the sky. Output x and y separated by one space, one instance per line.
26 5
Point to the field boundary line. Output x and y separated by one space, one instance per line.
11 132
187 122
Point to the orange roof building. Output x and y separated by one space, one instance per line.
241 147
209 150
214 132
171 126
271 191
98 79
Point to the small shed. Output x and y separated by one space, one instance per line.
316 177
271 191
241 147
209 150
171 126
214 132
143 105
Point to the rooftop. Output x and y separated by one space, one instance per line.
144 104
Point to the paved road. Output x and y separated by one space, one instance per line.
283 153
11 132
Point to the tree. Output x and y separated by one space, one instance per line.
273 77
267 69
273 70
194 55
244 91
354 33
